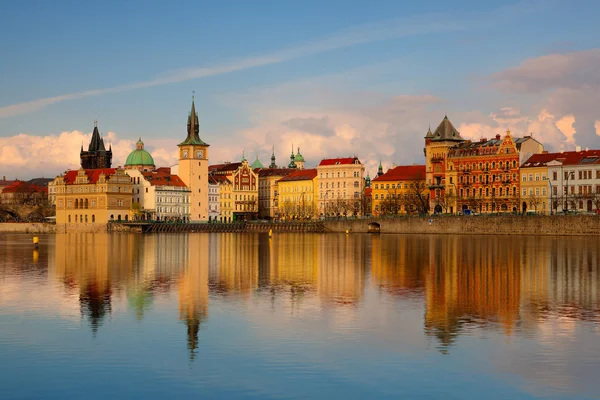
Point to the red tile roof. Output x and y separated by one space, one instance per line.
92 174
218 179
4 182
336 161
566 158
404 173
224 167
162 178
275 172
24 187
300 175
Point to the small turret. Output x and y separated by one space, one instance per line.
380 169
273 165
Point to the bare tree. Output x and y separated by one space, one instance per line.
419 197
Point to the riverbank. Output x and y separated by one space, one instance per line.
562 225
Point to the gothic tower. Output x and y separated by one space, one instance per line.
96 155
193 167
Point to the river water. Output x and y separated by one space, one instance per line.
299 316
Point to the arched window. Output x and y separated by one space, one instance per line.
86 203
119 217
81 218
69 219
126 218
93 218
76 203
86 219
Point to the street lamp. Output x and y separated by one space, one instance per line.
569 175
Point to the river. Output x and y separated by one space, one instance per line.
299 316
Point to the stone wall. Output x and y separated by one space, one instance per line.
27 227
478 225
83 228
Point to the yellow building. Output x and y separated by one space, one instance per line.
92 196
244 190
193 168
399 191
225 197
534 185
298 194
268 190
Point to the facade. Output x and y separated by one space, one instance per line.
225 192
20 192
474 176
485 175
193 167
572 182
268 191
401 190
244 189
298 195
140 159
341 184
96 155
93 196
213 199
159 195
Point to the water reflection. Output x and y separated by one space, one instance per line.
518 288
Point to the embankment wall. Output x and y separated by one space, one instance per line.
477 225
27 227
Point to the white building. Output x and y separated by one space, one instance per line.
214 210
161 196
341 183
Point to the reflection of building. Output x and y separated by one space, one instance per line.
342 270
193 289
237 264
93 265
295 264
94 196
472 283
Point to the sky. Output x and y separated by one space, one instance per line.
334 78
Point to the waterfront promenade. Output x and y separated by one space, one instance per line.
567 225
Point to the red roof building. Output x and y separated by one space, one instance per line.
20 192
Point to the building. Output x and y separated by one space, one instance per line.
268 191
159 195
573 182
20 192
478 176
298 195
92 196
4 183
96 155
225 192
213 199
193 167
244 190
401 190
341 184
140 159
299 160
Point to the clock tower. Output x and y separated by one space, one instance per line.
193 168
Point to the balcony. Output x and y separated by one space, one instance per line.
436 159
467 172
437 186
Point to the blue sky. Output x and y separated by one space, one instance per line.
365 77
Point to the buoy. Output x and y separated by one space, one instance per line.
36 256
36 241
270 232
347 231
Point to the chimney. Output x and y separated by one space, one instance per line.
578 148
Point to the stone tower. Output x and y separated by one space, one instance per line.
96 155
193 167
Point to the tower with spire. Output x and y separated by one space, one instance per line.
273 165
292 163
96 155
380 169
193 167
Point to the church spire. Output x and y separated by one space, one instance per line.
273 159
193 128
380 169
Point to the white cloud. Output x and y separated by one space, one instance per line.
26 156
597 127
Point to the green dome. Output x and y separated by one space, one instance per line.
299 157
139 156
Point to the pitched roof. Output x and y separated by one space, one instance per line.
300 175
219 179
446 131
40 181
588 157
162 178
24 187
337 161
92 174
275 172
403 173
226 167
4 182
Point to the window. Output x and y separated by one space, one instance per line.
537 177
524 178
537 191
524 192
543 191
530 177
555 176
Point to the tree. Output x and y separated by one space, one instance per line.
534 201
419 197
